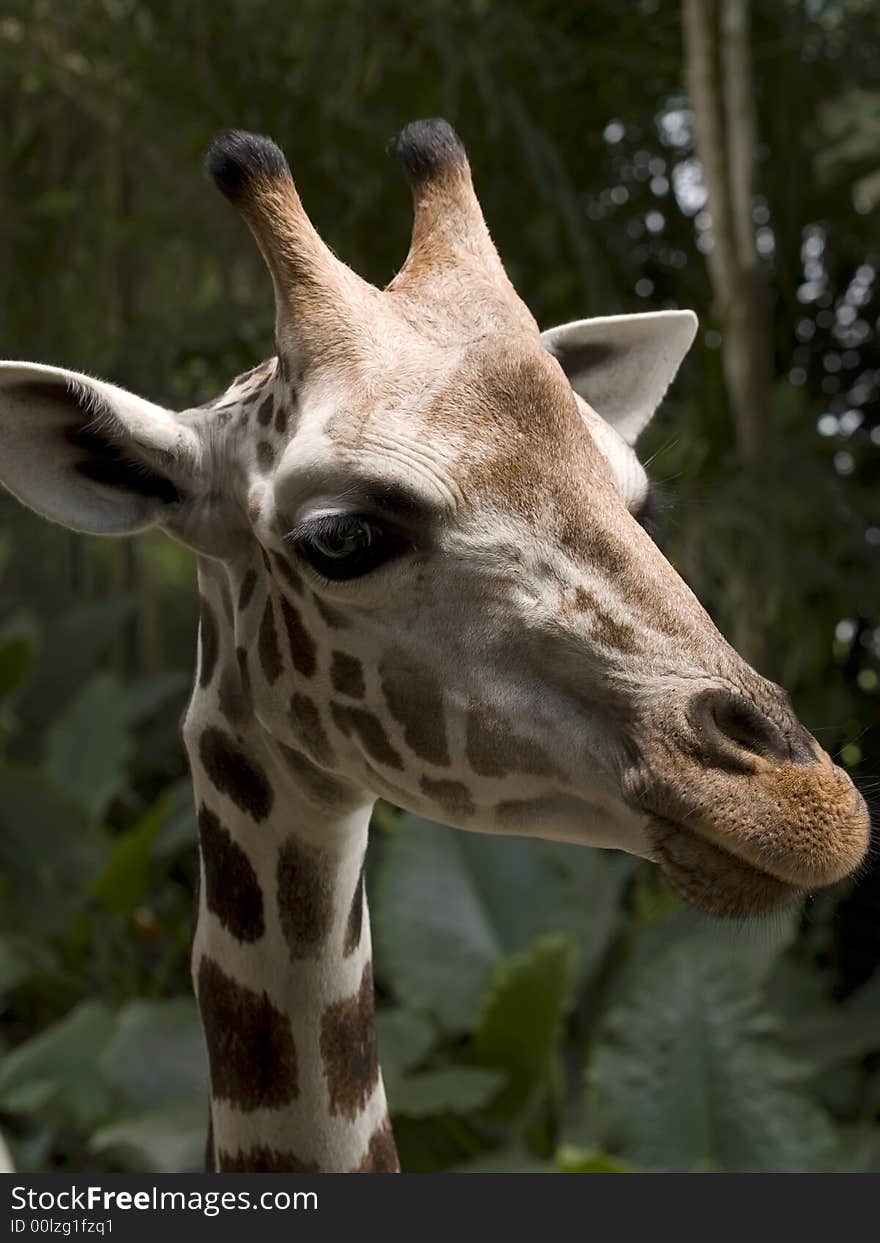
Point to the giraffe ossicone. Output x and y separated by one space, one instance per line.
422 577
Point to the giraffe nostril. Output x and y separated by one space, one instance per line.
732 728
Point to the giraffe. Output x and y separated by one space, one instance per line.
423 576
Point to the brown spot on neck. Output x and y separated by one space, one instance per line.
250 1045
234 692
281 415
266 410
262 1160
234 773
320 788
305 897
232 891
381 1154
369 730
265 457
348 1048
311 736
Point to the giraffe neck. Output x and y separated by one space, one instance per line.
281 953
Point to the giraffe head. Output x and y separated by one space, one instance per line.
425 515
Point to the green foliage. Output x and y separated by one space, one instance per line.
522 1024
89 744
482 898
688 1074
504 966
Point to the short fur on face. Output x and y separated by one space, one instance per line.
525 659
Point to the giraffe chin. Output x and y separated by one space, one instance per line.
711 878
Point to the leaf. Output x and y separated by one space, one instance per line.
161 1141
156 1057
404 1040
508 1160
427 898
522 1024
21 958
572 1160
56 1074
125 880
49 849
481 898
16 660
754 947
89 745
689 1074
179 829
147 695
72 645
847 1032
449 1090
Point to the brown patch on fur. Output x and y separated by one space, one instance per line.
369 729
266 411
329 615
234 773
305 898
288 573
265 457
348 1047
251 1050
347 675
453 797
234 692
232 891
354 926
210 642
302 645
281 419
306 720
605 629
415 698
270 654
319 787
492 750
262 1160
381 1155
246 591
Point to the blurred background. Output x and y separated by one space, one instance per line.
540 1007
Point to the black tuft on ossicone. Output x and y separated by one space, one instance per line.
237 161
429 149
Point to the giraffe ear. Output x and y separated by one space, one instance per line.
86 454
623 364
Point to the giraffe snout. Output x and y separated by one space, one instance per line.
733 731
748 812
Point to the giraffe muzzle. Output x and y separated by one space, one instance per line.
747 811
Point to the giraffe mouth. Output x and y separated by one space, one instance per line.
714 879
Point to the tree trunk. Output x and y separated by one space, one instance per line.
742 307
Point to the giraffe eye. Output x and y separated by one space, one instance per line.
343 547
